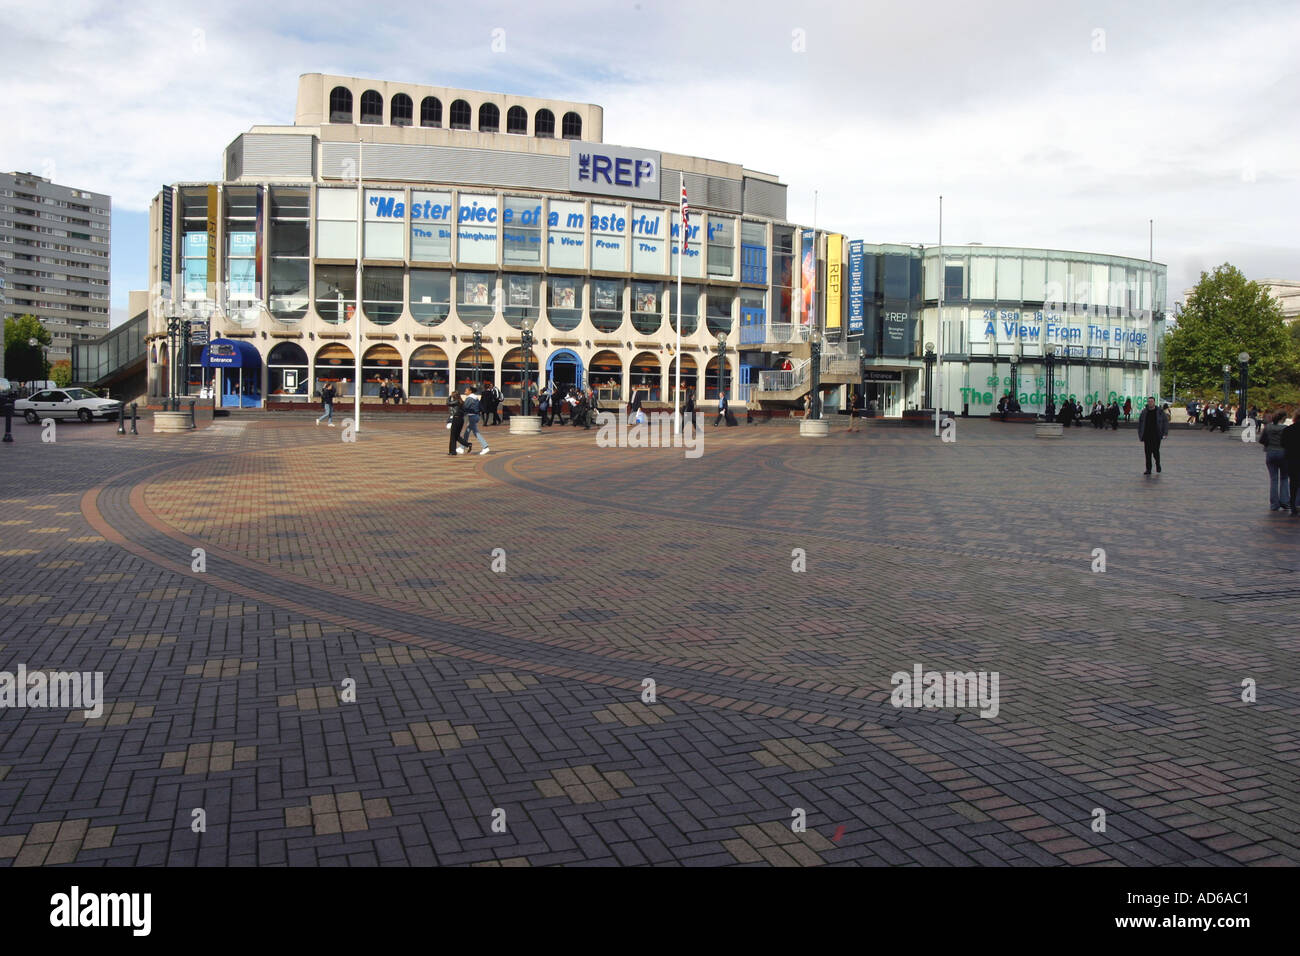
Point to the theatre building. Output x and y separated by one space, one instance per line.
481 215
474 213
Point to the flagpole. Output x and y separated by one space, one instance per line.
1151 326
356 309
677 387
938 368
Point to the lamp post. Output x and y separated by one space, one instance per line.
527 340
173 334
1227 373
722 366
1244 359
1015 367
477 326
815 357
1049 360
35 343
929 371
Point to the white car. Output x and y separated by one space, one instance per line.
67 403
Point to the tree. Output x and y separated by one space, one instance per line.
61 373
1226 314
23 362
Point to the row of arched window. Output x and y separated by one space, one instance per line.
460 115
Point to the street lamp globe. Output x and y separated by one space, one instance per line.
1227 369
815 335
33 342
526 324
722 340
477 326
1243 358
929 346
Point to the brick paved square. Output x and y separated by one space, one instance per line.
497 717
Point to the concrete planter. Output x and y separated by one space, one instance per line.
167 422
814 428
1049 430
525 425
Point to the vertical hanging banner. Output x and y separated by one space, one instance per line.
213 202
834 272
165 280
808 274
856 290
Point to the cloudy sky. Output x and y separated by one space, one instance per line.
1065 125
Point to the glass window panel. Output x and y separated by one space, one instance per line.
722 246
607 304
430 300
609 237
753 233
1033 277
476 292
1057 281
382 295
567 227
522 297
1010 278
333 283
384 240
289 296
476 232
983 278
647 308
649 249
290 238
718 311
564 309
336 204
521 231
430 226
336 240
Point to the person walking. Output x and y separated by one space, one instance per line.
634 408
1152 428
1128 409
724 413
688 408
1112 413
1291 451
1279 490
473 412
1066 414
456 443
327 399
855 411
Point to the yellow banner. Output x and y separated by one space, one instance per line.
834 271
213 202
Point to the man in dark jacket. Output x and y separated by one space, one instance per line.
688 408
456 422
1152 427
1066 414
327 399
1291 449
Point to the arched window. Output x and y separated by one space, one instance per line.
489 118
431 112
517 120
544 123
340 105
572 126
372 107
401 110
460 115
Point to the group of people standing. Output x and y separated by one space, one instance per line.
1219 416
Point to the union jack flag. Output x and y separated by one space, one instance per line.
686 219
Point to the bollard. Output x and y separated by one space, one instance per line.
121 421
9 420
133 418
193 424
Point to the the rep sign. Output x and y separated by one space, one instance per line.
613 171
